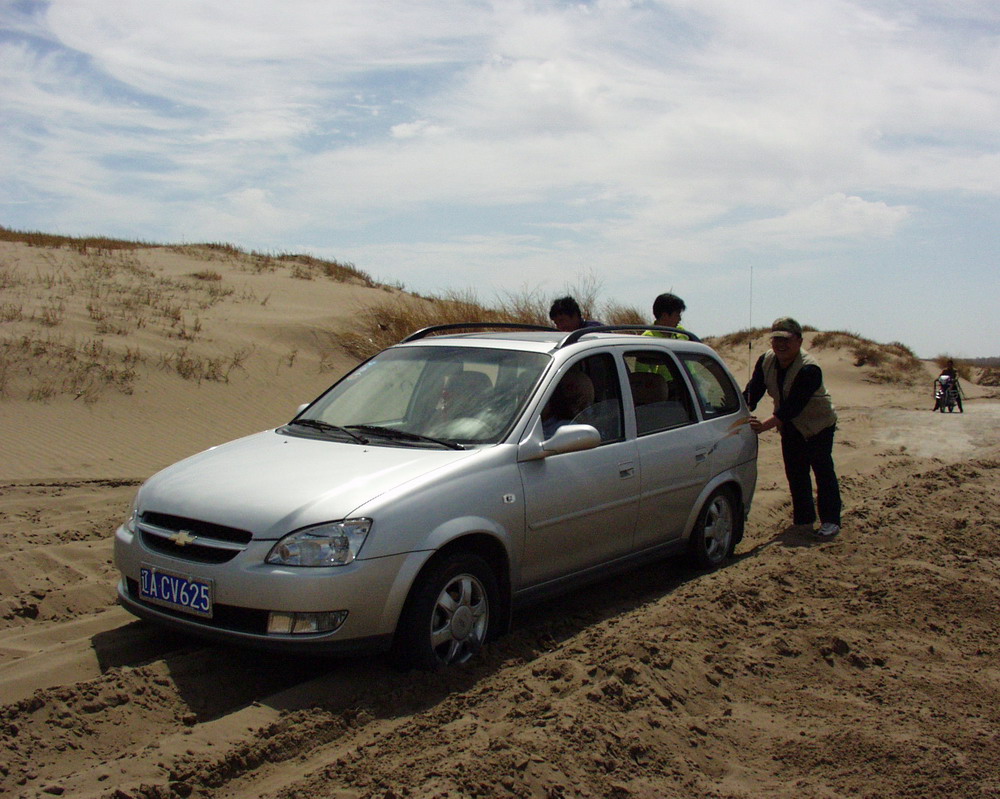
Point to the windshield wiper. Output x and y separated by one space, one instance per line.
402 435
327 427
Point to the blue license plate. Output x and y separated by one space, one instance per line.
190 594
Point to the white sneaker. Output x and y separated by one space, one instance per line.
828 530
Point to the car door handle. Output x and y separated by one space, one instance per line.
703 452
626 470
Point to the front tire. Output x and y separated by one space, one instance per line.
452 611
714 534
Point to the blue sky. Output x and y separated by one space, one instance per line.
847 152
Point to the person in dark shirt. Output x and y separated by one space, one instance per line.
947 380
566 315
806 419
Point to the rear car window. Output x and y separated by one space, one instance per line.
660 396
717 394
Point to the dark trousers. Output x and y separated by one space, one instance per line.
802 455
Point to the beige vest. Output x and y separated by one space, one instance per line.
818 413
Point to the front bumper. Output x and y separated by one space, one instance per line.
246 590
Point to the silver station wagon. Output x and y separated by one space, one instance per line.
442 483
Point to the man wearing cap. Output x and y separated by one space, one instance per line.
804 414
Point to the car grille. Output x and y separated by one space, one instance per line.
191 539
224 617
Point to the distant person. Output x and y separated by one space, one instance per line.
667 311
566 315
947 382
804 414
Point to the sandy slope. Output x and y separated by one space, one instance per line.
866 666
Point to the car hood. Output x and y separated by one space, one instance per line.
271 483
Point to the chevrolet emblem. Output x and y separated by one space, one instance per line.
183 537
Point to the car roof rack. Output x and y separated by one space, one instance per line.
474 325
576 335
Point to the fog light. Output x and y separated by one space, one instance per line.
326 621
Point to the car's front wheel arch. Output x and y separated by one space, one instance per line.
441 622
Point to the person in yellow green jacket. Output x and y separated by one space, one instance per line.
667 311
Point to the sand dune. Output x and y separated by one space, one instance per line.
866 666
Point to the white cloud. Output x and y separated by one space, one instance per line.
836 217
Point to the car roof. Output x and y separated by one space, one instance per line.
548 341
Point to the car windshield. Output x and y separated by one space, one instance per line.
458 395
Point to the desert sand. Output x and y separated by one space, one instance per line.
866 666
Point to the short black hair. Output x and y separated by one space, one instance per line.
667 303
564 306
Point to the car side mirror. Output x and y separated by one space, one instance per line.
568 438
301 408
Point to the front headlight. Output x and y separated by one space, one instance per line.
333 544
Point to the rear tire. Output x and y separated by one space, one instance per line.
714 534
451 612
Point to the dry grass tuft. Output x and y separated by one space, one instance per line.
989 376
386 323
614 313
207 274
192 366
82 244
9 312
308 267
40 367
737 338
301 267
887 363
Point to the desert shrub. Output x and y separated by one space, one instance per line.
83 244
38 368
887 363
192 366
614 313
528 306
386 323
52 315
900 349
739 337
989 376
207 274
306 267
9 277
9 312
835 338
